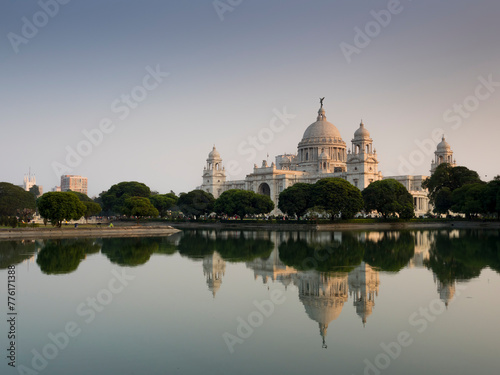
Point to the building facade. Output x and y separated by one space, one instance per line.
321 153
74 183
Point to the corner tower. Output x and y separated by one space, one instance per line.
362 162
214 174
443 154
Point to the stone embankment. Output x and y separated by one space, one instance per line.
71 232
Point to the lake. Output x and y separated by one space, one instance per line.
248 302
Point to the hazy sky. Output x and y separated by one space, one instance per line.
232 65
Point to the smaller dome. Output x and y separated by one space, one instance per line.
361 132
214 154
443 145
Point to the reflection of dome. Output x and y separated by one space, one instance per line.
214 154
214 268
323 296
361 133
321 129
322 309
363 287
443 145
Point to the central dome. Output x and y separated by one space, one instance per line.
321 128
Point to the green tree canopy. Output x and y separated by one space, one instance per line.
492 197
337 197
296 199
389 197
35 190
14 199
469 199
163 202
443 201
446 176
196 202
59 206
113 200
243 202
82 197
92 208
139 207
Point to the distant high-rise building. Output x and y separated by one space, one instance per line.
74 183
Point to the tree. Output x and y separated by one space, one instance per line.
35 190
113 200
492 197
446 176
296 199
443 201
92 208
59 206
243 202
196 202
139 207
82 197
163 202
337 197
389 197
469 199
14 199
262 204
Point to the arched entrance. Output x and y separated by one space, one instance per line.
264 189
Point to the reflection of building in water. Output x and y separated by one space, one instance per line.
363 284
272 268
423 241
446 290
214 268
323 296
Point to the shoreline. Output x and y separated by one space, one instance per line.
339 226
117 231
168 228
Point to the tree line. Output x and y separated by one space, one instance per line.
460 190
451 190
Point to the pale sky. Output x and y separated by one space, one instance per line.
230 70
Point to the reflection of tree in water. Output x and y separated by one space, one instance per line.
232 246
391 252
129 251
463 257
64 256
15 252
333 256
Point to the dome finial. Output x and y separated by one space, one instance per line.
321 101
361 124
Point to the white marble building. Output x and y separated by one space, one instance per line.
321 153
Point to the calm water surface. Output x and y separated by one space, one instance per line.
226 302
